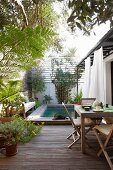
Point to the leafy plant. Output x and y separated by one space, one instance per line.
69 100
10 97
64 75
47 98
9 90
33 81
18 130
29 14
79 96
37 104
63 81
20 49
86 14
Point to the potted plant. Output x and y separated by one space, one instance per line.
18 130
79 97
47 99
69 100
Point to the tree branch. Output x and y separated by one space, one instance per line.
19 3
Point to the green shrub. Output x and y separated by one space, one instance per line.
19 130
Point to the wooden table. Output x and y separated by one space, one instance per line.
89 114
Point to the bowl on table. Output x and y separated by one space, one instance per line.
86 107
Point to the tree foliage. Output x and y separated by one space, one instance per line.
26 32
87 13
26 13
33 82
64 75
20 49
63 81
9 91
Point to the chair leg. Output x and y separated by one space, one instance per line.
103 149
72 134
75 140
105 144
89 129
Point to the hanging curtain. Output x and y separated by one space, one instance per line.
97 77
87 78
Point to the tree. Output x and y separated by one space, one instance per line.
26 13
64 75
85 14
63 81
33 82
26 31
21 49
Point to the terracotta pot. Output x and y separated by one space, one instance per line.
11 150
5 119
79 103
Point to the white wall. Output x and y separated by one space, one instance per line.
49 90
81 84
107 65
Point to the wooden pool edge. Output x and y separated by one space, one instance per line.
52 122
35 116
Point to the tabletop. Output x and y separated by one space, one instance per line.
107 112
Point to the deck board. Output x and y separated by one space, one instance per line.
49 151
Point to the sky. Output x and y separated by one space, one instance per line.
82 43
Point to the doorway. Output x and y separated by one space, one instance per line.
112 82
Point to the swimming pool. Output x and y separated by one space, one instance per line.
45 113
59 110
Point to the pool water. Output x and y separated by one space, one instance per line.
51 111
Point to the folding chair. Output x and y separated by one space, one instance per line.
107 131
76 124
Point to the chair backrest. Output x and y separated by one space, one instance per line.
71 119
88 101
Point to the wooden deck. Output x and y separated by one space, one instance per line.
49 151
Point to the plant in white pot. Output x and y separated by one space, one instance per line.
18 130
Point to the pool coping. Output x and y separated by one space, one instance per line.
35 116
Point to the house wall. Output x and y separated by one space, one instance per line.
49 90
81 84
107 77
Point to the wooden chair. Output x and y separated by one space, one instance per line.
107 131
76 124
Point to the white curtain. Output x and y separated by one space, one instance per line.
97 77
87 78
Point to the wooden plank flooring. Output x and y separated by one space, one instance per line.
49 151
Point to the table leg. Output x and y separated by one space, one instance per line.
82 135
